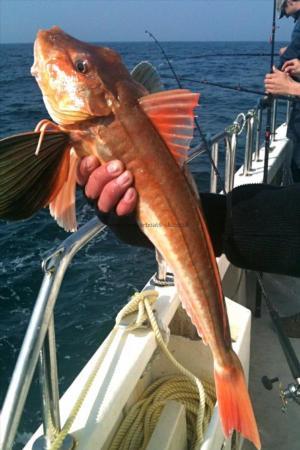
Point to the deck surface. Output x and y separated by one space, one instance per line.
279 431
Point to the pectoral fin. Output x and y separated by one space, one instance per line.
28 182
62 207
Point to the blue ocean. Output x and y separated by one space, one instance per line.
106 272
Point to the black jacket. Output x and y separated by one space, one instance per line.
257 227
293 49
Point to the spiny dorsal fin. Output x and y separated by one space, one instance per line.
146 74
172 114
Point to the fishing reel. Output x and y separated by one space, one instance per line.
291 392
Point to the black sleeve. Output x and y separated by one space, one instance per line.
257 226
293 49
262 230
125 228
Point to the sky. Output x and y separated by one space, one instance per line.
127 20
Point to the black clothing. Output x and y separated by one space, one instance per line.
293 49
295 172
263 233
257 229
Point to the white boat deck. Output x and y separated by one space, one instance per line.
279 431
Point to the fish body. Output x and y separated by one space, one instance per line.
92 97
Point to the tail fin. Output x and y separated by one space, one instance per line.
234 402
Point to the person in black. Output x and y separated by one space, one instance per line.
260 232
291 8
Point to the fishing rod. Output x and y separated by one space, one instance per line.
228 55
268 103
201 133
292 391
165 56
237 88
270 100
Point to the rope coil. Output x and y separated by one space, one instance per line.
198 398
138 425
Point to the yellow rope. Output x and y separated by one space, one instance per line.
136 429
57 443
129 308
198 398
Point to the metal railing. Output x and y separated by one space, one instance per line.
39 341
252 123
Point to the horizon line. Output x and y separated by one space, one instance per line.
151 42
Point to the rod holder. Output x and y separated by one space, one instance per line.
249 143
288 110
213 175
258 132
162 276
231 146
274 118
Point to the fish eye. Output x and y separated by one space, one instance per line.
81 66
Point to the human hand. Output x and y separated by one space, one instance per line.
280 83
292 67
110 185
282 50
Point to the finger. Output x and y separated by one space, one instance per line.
270 83
112 192
128 202
85 168
101 176
269 88
287 64
269 76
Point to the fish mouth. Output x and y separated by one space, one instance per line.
64 116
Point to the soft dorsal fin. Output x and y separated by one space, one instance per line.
172 114
146 74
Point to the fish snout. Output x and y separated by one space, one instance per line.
34 69
46 45
50 35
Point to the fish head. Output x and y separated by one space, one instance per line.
78 80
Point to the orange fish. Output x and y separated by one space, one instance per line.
100 109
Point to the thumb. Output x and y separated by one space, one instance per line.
274 69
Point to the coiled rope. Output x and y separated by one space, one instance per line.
136 428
